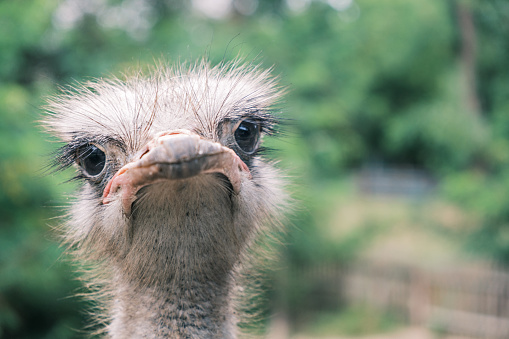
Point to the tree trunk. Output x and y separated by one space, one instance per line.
468 55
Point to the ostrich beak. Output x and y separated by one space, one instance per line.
174 155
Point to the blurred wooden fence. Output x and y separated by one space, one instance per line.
464 301
377 179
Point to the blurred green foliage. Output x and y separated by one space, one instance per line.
375 81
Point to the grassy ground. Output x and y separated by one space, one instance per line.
356 320
401 333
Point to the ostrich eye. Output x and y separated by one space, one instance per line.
247 135
92 160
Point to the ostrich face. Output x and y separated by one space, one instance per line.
174 181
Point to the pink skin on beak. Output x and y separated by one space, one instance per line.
174 155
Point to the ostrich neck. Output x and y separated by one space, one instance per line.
177 278
191 310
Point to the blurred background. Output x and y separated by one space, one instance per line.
397 147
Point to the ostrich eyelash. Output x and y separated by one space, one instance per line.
65 156
267 121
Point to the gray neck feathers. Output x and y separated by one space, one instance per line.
191 309
175 277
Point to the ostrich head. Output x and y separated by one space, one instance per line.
174 189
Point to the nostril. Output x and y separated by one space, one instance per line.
145 151
140 154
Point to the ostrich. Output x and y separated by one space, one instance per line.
174 190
